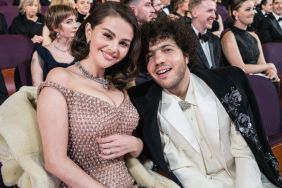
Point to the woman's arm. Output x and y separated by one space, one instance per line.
53 123
36 69
232 53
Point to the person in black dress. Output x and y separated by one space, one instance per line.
29 22
243 48
83 8
61 21
3 25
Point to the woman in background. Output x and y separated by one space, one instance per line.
29 22
242 48
46 31
61 21
90 128
83 9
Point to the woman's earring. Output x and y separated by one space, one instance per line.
58 35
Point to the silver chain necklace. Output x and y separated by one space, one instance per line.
90 76
60 48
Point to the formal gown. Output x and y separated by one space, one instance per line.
247 44
48 60
90 118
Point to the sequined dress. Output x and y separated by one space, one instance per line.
90 118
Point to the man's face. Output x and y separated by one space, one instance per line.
143 10
168 65
277 7
203 15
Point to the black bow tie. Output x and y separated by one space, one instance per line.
205 37
280 19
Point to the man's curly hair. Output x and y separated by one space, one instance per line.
166 28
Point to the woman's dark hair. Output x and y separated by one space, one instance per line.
125 71
166 28
235 5
55 15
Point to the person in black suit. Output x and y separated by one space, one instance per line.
175 140
209 47
3 25
270 29
265 10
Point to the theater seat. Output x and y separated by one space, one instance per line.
16 53
272 53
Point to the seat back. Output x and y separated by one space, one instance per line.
272 53
222 11
16 52
10 12
268 104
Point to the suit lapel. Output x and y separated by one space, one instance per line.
169 110
212 49
275 24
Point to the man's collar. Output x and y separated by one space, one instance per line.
196 31
276 16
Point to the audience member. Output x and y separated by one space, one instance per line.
198 128
209 48
83 9
265 10
61 21
89 132
29 22
46 32
158 6
142 9
270 29
179 8
42 2
3 25
243 48
144 12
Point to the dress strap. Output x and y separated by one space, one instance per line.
65 91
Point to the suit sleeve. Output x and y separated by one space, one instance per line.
248 174
184 169
264 31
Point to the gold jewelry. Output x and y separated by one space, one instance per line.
104 82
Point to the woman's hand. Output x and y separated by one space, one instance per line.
37 39
272 75
116 145
272 66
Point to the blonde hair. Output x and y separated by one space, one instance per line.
24 3
70 3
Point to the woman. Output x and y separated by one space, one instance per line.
83 8
46 32
179 8
89 132
61 21
29 22
243 48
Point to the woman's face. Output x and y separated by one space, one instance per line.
109 41
83 6
245 14
68 27
31 9
184 6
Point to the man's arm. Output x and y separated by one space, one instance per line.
248 174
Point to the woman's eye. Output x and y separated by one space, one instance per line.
108 36
124 44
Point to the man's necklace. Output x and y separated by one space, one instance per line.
90 76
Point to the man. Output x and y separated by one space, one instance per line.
209 48
198 128
143 10
263 12
270 29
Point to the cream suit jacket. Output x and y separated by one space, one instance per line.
183 153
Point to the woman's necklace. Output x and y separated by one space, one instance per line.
60 48
90 76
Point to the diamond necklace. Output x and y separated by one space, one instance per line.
90 76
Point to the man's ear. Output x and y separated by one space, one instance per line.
186 59
194 12
133 8
88 31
